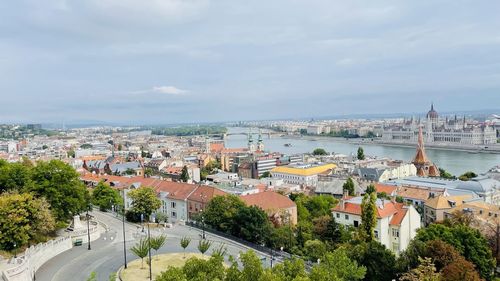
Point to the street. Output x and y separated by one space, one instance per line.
106 254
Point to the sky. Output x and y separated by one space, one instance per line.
171 61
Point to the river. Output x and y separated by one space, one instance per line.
455 162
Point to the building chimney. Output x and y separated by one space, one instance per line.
346 194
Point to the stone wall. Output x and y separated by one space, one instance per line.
23 268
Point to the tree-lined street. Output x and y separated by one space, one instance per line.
106 255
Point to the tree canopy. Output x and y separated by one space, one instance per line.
349 186
105 197
319 151
368 216
23 218
361 153
60 184
144 201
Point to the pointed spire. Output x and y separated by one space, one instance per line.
432 106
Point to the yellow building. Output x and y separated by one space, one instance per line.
303 174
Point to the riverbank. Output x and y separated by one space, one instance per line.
492 149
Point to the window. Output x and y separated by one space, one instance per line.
395 247
173 204
375 233
174 215
338 216
356 223
346 217
395 232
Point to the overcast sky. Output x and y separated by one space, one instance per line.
166 61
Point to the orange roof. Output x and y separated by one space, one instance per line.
390 208
268 200
173 170
216 147
205 193
398 217
388 189
234 150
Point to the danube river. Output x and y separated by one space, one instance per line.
456 162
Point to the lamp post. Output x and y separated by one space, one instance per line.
123 223
15 250
88 228
202 216
149 252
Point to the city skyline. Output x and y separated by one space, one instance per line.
130 62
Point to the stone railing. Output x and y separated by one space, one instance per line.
24 267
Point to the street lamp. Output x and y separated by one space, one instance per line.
202 224
149 252
123 223
15 250
88 227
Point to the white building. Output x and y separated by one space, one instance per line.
439 130
396 225
301 174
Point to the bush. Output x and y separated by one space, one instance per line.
132 216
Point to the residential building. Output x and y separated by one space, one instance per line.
198 200
278 207
435 208
397 223
302 174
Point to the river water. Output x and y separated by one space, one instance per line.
455 162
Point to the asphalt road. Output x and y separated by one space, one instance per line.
106 254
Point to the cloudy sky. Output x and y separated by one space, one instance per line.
166 61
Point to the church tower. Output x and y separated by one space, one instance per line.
251 144
425 168
260 143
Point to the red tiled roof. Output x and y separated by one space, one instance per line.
388 189
205 193
398 217
390 208
268 200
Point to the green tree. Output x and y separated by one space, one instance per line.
23 218
204 245
252 266
319 205
60 184
379 261
251 224
172 274
368 216
337 266
158 242
349 186
361 153
314 249
86 146
71 153
469 242
266 174
15 176
148 172
319 151
426 271
184 174
185 243
221 211
141 249
467 176
370 189
445 175
105 197
144 201
120 147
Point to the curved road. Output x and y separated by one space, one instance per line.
106 254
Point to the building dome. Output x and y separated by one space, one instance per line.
432 114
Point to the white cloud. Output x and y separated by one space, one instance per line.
166 90
169 90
